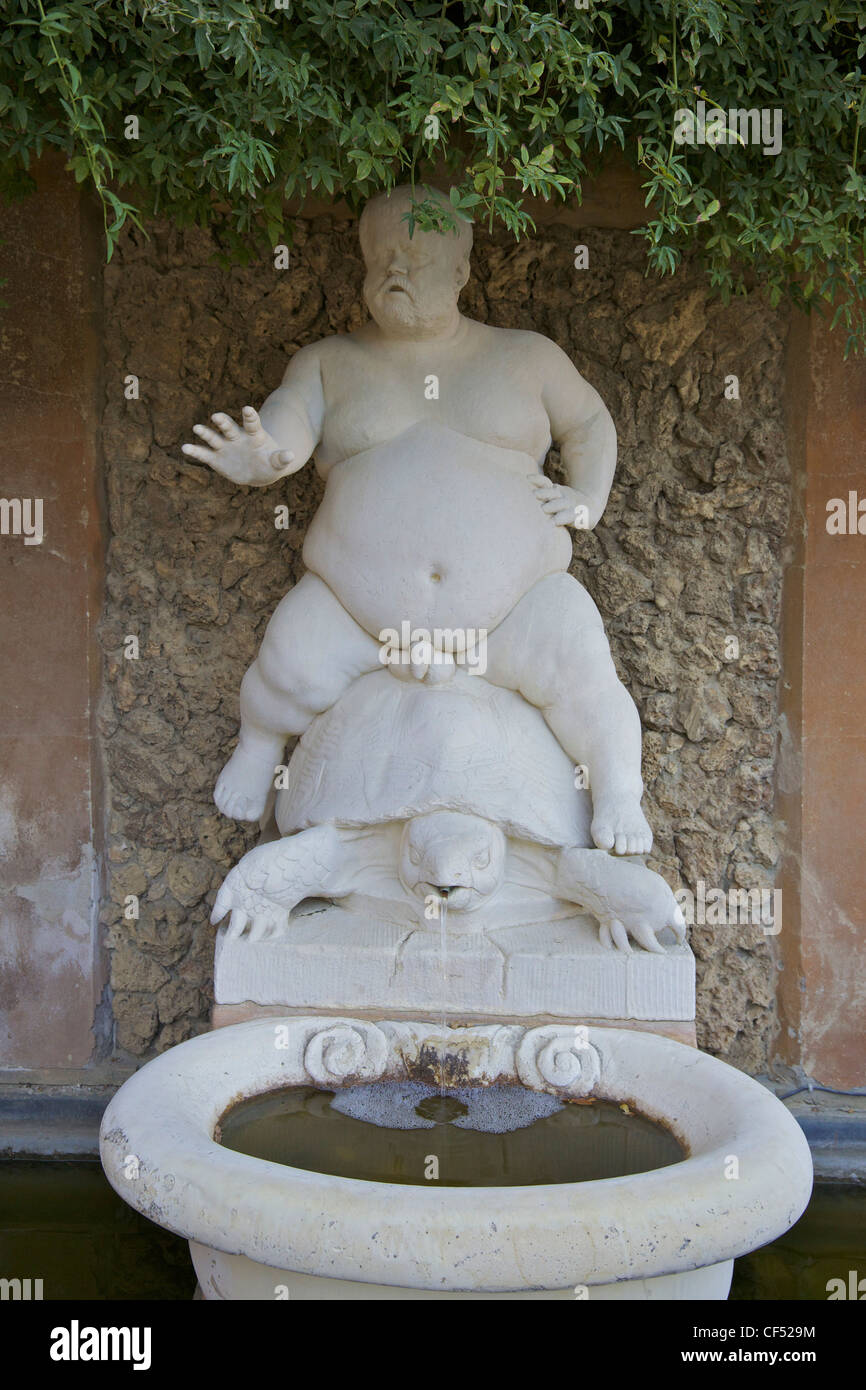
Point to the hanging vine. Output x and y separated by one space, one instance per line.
243 104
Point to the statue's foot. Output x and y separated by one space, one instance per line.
619 824
242 788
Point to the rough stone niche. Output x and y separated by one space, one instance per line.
690 552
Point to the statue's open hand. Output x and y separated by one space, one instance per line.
561 502
247 455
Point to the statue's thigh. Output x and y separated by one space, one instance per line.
551 641
311 637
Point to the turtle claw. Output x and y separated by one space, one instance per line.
645 920
614 937
677 925
645 936
237 922
252 912
631 902
262 927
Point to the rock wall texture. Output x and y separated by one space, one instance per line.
689 555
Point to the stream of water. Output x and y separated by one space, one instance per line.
443 971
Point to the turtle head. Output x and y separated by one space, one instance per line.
458 857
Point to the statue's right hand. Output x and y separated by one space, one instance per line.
247 455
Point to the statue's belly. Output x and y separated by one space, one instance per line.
435 529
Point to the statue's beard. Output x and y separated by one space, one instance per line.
395 306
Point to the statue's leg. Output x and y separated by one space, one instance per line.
311 652
552 648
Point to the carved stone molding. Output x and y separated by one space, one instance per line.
557 1058
342 1050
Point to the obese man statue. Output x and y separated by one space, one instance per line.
436 515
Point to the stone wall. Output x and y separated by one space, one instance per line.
689 554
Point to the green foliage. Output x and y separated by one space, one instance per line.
242 105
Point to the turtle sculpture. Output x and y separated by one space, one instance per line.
408 794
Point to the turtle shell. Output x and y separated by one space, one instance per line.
390 749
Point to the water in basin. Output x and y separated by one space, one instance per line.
496 1136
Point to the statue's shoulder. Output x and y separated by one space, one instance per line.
341 345
324 348
521 341
314 357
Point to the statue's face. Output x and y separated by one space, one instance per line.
448 854
412 283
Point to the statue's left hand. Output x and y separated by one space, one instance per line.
561 502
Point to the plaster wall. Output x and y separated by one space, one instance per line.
52 970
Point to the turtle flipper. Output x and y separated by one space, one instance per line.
271 879
631 902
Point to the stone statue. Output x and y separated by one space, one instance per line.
407 794
439 538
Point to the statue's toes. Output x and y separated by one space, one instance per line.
224 800
620 835
224 796
630 841
242 788
639 844
603 834
237 805
619 824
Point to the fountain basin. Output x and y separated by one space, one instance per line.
262 1230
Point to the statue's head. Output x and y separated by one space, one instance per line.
452 855
413 282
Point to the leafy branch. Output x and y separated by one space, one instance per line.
243 105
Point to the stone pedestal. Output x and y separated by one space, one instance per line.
334 961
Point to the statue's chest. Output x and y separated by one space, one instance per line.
374 407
